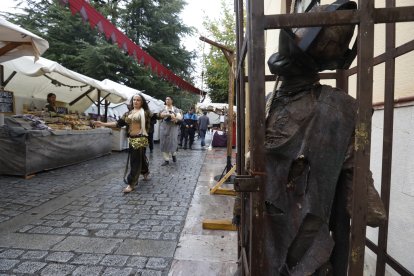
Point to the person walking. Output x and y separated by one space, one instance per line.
153 121
137 121
190 126
222 118
203 123
182 134
171 117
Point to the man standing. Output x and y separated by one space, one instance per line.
190 124
203 123
151 132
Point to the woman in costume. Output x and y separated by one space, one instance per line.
171 117
137 121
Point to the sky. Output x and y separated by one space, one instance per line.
193 15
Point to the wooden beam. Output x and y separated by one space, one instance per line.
218 45
81 96
219 224
225 191
218 185
10 46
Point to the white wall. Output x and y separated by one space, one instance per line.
401 220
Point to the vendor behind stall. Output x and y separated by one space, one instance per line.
51 103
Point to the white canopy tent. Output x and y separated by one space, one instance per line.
154 104
215 107
36 80
16 41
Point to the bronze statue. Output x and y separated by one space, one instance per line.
309 155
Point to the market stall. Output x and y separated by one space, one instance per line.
25 151
32 139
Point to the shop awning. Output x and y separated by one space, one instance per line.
105 27
16 41
44 76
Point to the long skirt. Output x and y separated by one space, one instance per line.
138 161
169 137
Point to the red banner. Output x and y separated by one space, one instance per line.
97 20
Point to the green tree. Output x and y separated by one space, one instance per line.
222 31
73 44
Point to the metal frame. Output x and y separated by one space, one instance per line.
251 44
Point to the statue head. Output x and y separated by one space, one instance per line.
313 49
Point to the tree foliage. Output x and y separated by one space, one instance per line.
154 25
222 31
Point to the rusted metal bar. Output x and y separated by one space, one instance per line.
245 264
362 136
389 88
230 116
328 76
256 74
394 14
393 53
342 17
240 103
321 75
396 101
401 270
242 55
288 5
341 80
246 183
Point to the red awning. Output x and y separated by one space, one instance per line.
95 19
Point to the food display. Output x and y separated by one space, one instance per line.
69 121
54 121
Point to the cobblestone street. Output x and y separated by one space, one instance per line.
75 220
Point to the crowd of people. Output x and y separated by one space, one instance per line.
175 128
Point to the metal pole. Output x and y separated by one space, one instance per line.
256 77
99 104
240 161
230 117
387 142
362 136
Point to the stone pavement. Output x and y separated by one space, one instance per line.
207 252
75 220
